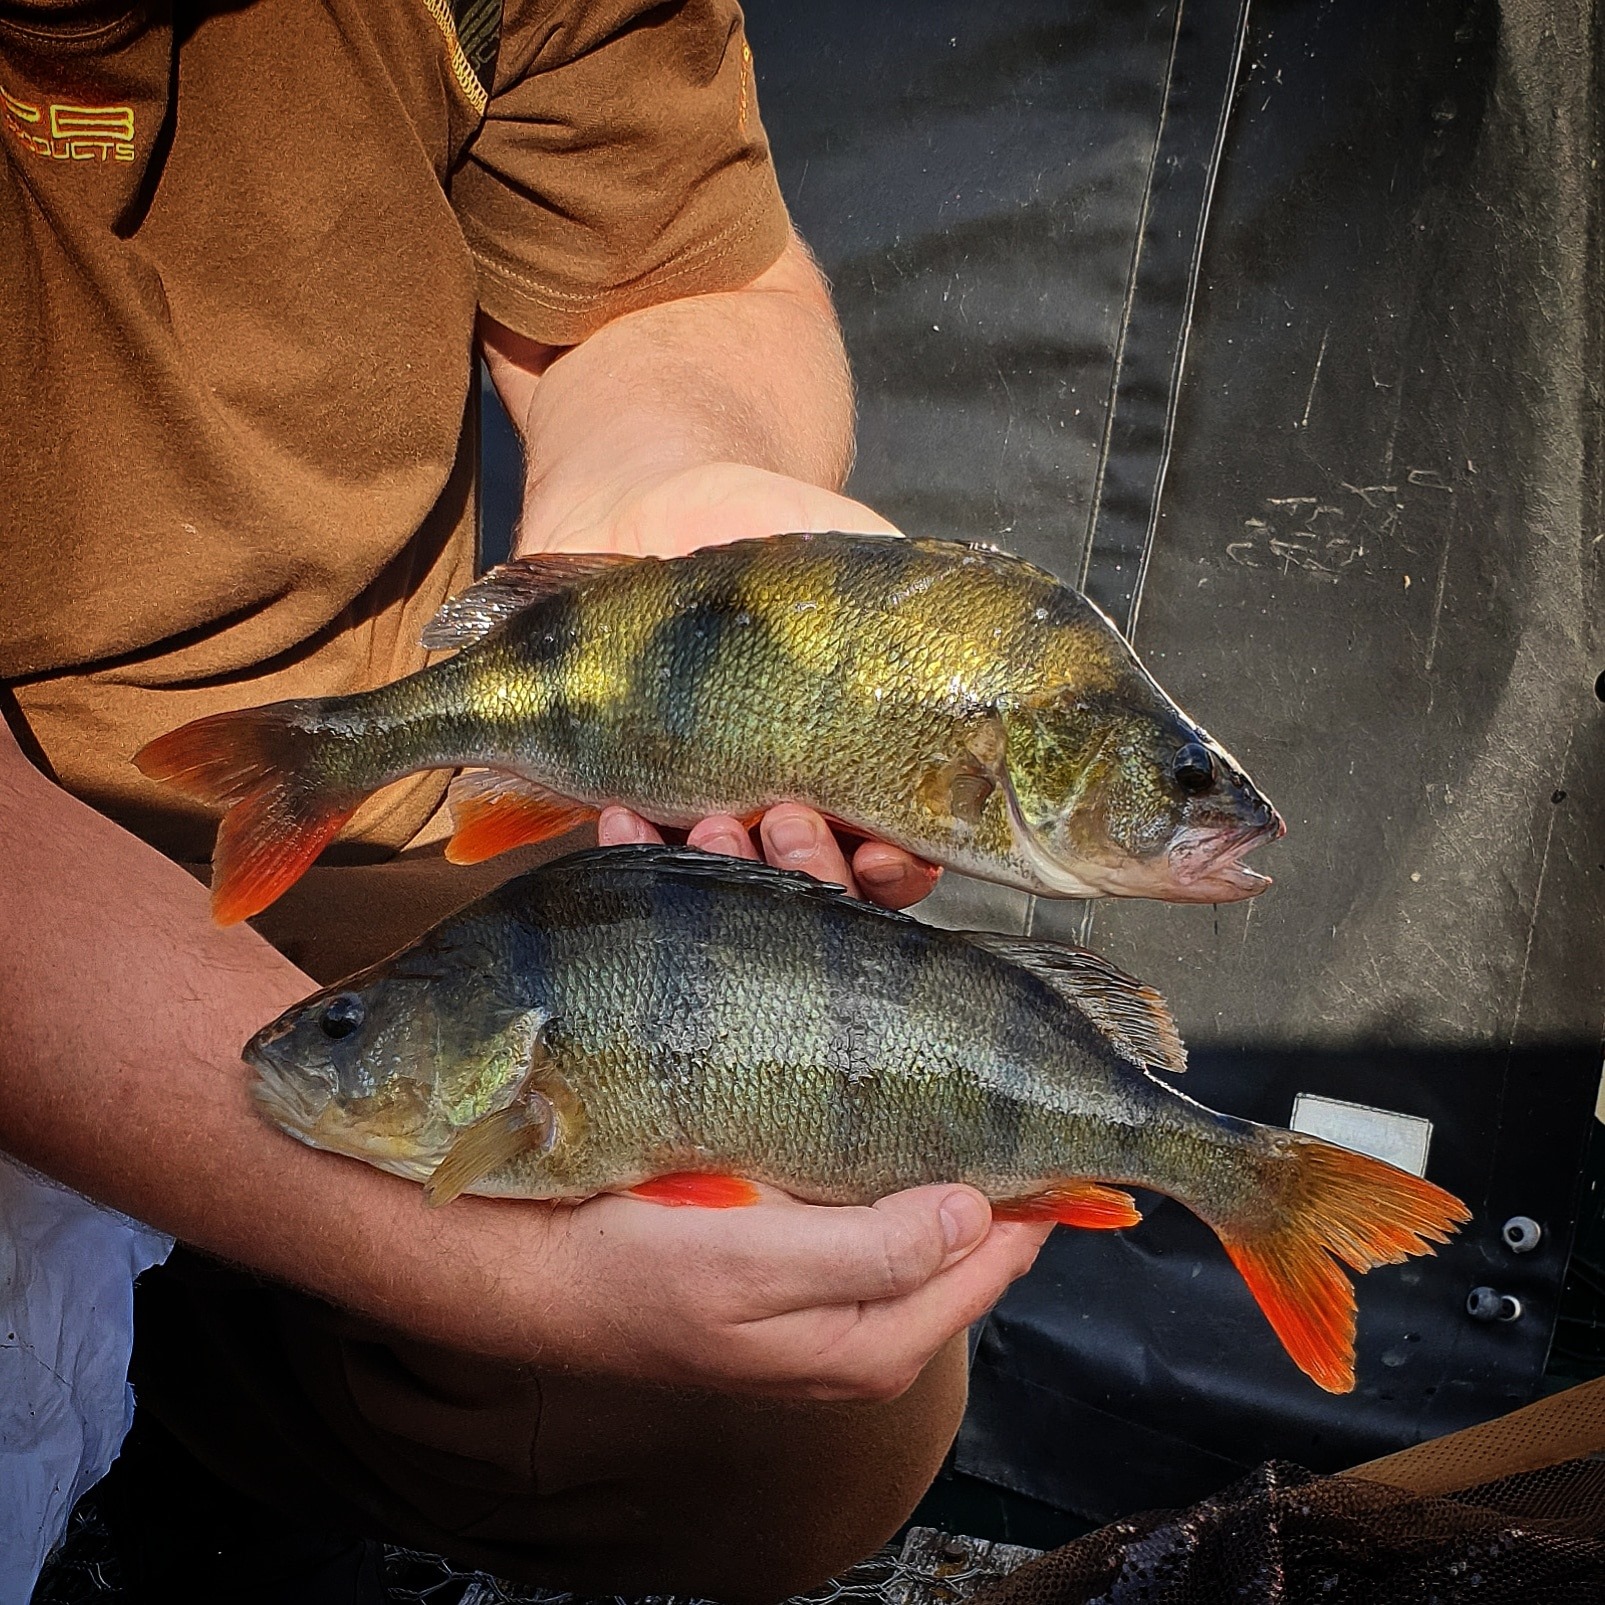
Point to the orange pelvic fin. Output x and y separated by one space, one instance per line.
494 811
1331 1204
703 1192
278 819
1073 1203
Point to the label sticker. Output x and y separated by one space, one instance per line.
1401 1140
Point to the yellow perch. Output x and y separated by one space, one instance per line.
950 699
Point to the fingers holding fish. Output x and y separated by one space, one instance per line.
784 1299
797 838
891 877
817 1256
722 833
793 838
620 827
718 833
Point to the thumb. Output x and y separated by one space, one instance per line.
806 1256
938 1226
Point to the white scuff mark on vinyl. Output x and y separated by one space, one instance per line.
1400 1139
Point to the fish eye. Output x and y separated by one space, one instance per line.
342 1015
1193 768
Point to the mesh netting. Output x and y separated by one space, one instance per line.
1286 1535
415 1577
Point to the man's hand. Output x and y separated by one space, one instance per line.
781 1298
793 837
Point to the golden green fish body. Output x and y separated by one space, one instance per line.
895 685
859 676
950 699
685 1011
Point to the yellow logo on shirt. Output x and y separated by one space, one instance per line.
69 133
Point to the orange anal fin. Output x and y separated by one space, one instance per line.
494 812
702 1192
1074 1203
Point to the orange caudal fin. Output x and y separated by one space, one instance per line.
493 811
1328 1204
254 764
703 1192
1073 1203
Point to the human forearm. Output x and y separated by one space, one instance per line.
756 377
122 1012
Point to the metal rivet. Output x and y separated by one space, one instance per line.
1489 1304
1521 1234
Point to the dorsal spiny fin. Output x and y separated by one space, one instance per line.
511 587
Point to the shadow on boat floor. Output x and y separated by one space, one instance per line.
924 1566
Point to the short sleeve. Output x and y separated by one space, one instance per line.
621 163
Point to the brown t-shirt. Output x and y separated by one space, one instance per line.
242 243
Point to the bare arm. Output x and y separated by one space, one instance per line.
620 433
122 1012
123 1008
688 424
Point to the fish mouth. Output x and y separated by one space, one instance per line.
1199 864
1206 864
308 1110
295 1105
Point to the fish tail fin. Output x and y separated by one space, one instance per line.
260 766
1319 1205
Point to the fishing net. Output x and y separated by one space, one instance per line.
1513 1511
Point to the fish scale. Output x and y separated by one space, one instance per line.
658 1018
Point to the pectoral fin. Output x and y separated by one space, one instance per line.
1134 1017
960 786
489 1143
541 1110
